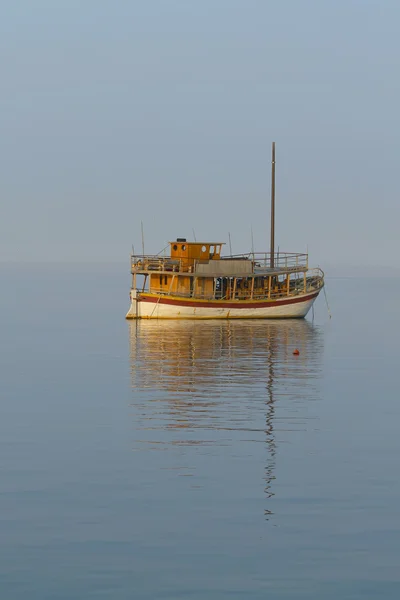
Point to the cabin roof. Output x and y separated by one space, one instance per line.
197 243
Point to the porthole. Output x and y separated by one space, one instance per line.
175 247
203 249
183 247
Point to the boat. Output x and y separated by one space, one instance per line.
196 281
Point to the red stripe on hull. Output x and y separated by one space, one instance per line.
214 304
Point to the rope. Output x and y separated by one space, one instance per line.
158 253
159 298
327 304
155 306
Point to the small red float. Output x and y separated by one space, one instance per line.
296 352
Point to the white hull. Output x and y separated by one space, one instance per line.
161 308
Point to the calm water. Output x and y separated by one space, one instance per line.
195 460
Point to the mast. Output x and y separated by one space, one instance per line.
272 255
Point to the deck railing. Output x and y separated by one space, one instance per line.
282 260
261 261
298 285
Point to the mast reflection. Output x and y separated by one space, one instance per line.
198 379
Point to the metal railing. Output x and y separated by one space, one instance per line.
314 281
147 262
261 261
282 260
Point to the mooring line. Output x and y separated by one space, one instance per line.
327 304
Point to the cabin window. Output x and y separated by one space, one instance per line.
160 279
175 247
183 247
203 248
165 280
212 251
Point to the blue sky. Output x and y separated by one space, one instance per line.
117 112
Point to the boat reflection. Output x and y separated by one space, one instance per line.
220 382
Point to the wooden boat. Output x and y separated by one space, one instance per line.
195 281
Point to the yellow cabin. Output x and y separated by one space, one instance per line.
184 257
190 251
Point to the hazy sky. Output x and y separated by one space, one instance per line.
117 111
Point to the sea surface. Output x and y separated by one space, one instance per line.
167 460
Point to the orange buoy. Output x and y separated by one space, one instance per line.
296 352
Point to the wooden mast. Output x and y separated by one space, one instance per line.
272 251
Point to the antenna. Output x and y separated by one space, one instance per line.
194 235
230 245
272 262
141 224
252 242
